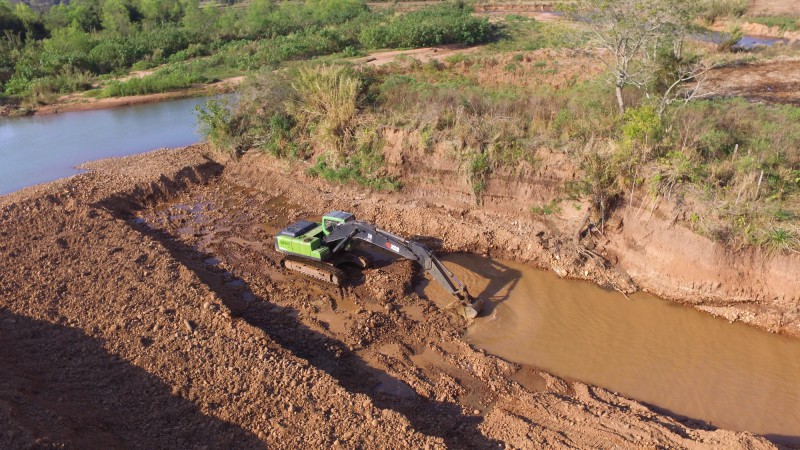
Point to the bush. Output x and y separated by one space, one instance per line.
437 25
222 129
299 45
364 166
642 126
327 105
715 9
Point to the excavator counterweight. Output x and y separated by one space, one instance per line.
316 249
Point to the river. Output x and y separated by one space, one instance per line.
676 358
44 148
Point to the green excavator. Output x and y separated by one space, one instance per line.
317 250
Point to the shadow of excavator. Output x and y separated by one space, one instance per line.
501 279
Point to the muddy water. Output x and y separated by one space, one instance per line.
675 358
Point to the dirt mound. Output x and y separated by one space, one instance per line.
146 308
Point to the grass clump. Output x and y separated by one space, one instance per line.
161 81
327 104
547 209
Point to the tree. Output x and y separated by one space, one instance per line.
630 35
116 17
159 11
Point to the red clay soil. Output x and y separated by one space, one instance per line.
774 81
142 306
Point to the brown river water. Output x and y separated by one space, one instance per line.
678 359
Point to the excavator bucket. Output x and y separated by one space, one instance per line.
471 308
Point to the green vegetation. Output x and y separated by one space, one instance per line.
785 23
732 168
548 209
712 10
71 46
437 25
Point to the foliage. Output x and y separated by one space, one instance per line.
224 130
478 172
727 40
784 23
161 81
632 32
712 10
437 25
99 37
547 209
362 167
327 105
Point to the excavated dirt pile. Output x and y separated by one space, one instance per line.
142 305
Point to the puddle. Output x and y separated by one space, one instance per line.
747 42
677 359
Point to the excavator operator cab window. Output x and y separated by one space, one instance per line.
334 218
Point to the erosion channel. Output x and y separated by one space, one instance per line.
678 359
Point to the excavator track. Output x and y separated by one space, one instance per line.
315 270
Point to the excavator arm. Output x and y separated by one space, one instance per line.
339 235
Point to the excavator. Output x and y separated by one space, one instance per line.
318 250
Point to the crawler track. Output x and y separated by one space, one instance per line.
315 270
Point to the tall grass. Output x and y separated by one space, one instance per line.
327 105
712 10
161 81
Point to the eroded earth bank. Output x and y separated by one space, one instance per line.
143 306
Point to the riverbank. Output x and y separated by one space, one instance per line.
206 331
755 29
80 102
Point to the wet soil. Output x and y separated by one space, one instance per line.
143 307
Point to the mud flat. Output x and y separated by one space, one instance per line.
141 308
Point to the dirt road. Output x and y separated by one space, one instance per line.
142 306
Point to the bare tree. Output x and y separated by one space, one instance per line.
630 35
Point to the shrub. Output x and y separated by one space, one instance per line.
437 25
642 126
714 9
327 104
553 207
222 129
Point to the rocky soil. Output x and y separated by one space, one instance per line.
142 306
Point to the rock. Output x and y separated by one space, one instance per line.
189 325
374 422
476 412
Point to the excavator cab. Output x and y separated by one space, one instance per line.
333 218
